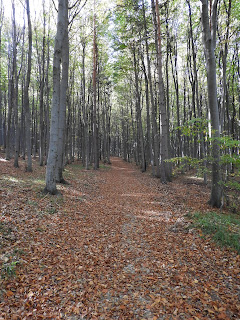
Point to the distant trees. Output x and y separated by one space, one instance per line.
137 82
185 126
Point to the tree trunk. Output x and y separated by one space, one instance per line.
195 88
140 140
164 165
26 93
95 151
41 105
52 162
176 85
155 136
1 93
85 117
63 98
209 40
47 88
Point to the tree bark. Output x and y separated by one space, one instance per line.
26 93
52 162
1 93
140 140
63 98
164 165
95 144
41 104
209 40
154 145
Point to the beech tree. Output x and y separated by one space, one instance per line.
60 83
94 83
209 40
26 92
165 173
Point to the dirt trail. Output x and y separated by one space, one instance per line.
118 248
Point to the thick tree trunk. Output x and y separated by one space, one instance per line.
52 162
63 98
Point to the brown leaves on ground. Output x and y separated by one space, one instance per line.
113 246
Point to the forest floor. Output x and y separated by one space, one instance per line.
115 245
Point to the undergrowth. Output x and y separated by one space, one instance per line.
223 228
8 269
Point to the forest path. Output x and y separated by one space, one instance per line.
116 246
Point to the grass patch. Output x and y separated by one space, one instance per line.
8 269
104 166
32 203
223 228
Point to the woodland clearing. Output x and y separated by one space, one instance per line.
116 244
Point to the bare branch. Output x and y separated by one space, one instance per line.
69 8
75 14
54 5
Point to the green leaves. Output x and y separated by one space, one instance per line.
223 228
194 127
8 269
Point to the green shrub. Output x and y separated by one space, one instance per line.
223 228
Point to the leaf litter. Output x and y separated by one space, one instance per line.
114 245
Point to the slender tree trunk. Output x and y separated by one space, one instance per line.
10 109
85 117
95 151
15 87
209 40
149 155
41 104
108 120
176 85
139 116
23 135
196 89
47 88
224 55
26 93
164 165
153 141
1 93
167 79
155 136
